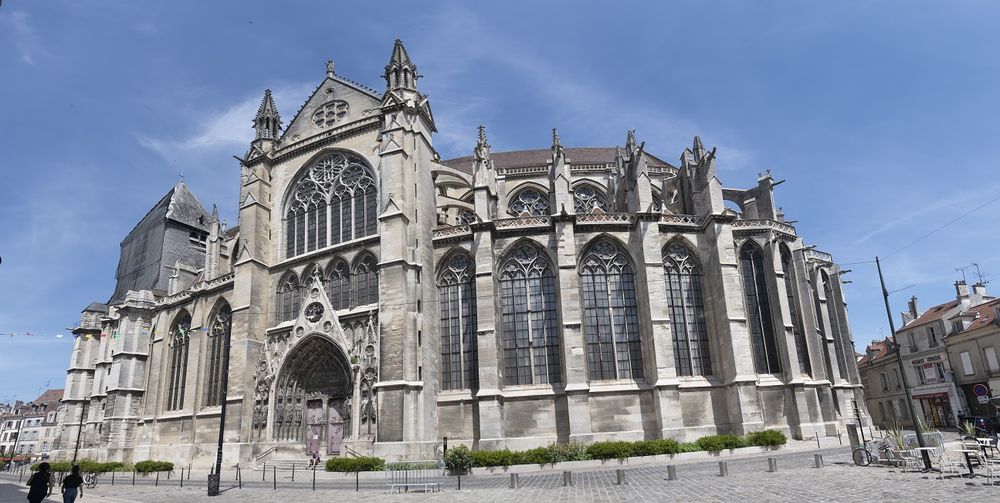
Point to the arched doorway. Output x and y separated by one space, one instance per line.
312 397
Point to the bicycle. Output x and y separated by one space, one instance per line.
90 480
864 455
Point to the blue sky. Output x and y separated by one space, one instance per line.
880 115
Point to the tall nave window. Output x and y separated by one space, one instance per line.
335 200
687 312
218 361
528 319
457 299
177 340
761 323
288 299
610 317
792 291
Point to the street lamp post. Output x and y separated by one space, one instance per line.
902 369
214 478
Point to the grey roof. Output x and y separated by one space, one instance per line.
96 307
538 157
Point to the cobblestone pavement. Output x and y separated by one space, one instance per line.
796 480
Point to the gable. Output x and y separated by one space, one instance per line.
335 102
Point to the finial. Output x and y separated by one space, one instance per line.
482 148
215 213
555 138
329 68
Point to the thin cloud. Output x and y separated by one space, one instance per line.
25 38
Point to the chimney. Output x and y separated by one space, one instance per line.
962 292
914 307
978 294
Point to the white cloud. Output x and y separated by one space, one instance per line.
25 38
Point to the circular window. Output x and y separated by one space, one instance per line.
314 312
330 113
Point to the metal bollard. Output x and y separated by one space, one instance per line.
168 475
567 478
513 481
723 469
157 484
357 481
817 440
293 472
620 474
671 472
112 477
772 465
182 477
239 477
133 477
314 479
459 481
819 460
274 476
263 472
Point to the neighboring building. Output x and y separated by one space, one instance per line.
33 426
932 346
883 383
973 349
376 298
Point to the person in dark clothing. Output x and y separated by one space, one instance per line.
40 484
72 485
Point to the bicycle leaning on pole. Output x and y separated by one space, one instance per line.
871 451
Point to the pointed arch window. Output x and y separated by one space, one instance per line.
457 300
366 280
686 308
335 200
589 199
610 316
288 299
177 341
758 305
339 284
792 291
218 361
529 335
529 202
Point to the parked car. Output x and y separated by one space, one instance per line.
986 426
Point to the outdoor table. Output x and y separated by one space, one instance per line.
968 460
985 443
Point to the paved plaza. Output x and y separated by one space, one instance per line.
748 480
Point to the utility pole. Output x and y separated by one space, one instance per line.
79 430
902 369
215 478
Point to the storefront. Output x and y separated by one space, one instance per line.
936 409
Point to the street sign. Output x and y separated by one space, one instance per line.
981 390
983 400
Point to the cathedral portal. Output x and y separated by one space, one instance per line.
313 397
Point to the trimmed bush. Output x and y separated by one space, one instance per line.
690 447
610 449
358 464
655 447
493 458
570 451
86 466
716 443
150 466
767 438
459 459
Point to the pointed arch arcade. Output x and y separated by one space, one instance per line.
334 200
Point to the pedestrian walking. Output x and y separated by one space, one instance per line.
40 484
72 485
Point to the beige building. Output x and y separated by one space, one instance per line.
376 298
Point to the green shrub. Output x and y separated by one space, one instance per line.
459 459
492 458
536 456
150 466
86 466
766 438
655 447
716 443
610 449
358 464
690 447
570 451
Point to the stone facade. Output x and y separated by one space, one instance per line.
375 299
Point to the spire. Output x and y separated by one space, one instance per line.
400 72
698 149
267 123
557 148
482 151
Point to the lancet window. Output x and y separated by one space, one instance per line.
529 202
528 320
758 305
288 299
178 339
335 200
836 332
218 362
366 280
610 316
686 307
457 300
792 291
339 284
588 199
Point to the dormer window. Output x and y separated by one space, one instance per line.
957 326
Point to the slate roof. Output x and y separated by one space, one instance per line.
539 157
96 307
